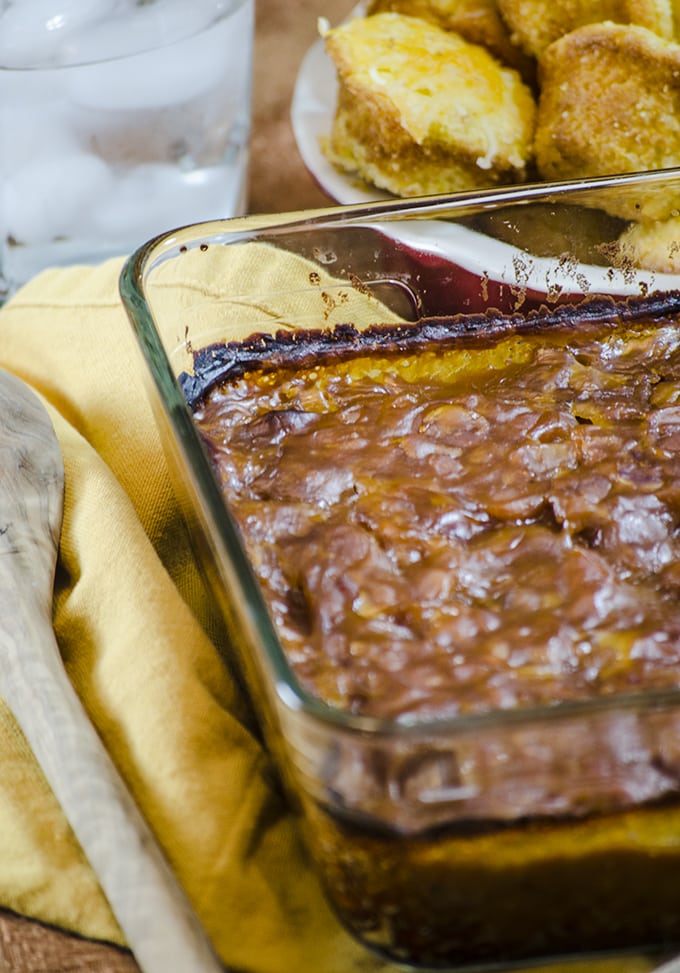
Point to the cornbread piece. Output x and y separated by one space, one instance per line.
477 21
534 24
420 110
652 246
610 103
543 891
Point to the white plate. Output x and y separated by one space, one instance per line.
312 111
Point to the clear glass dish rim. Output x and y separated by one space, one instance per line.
289 692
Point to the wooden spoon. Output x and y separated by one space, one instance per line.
161 929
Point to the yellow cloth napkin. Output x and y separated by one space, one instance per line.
135 632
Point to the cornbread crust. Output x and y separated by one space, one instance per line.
534 24
610 103
477 21
420 110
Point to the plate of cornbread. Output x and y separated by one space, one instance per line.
412 98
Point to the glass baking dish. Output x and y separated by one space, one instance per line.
422 829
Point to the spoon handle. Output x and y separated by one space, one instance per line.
160 927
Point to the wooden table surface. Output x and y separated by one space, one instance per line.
278 181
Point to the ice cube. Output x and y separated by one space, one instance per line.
54 197
33 32
136 28
167 75
152 198
40 132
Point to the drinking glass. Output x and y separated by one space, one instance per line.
119 119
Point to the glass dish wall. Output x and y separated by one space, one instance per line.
422 829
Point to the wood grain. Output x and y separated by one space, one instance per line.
284 32
26 945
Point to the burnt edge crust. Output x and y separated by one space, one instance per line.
231 360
